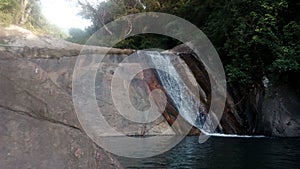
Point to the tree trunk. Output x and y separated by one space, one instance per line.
25 10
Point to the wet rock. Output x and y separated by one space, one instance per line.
231 122
280 115
271 111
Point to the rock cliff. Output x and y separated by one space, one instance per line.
271 110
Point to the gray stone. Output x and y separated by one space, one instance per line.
280 114
38 125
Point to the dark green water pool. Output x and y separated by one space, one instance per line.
223 153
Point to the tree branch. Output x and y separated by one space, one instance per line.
100 16
129 21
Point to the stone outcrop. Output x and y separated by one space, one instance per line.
38 125
270 111
280 112
139 90
29 45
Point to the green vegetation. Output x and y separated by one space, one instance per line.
254 38
77 36
27 13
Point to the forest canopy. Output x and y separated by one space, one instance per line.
255 39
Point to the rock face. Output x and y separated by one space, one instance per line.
112 73
272 111
38 125
231 122
139 90
35 143
280 112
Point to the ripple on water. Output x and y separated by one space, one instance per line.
221 152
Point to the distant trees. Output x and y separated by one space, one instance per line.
26 13
19 10
7 11
254 38
77 35
105 12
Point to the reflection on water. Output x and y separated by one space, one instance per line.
222 153
140 147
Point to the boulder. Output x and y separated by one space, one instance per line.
38 125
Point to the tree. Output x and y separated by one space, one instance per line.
256 38
8 10
19 10
77 36
27 13
25 10
105 12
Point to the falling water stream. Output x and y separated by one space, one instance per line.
186 102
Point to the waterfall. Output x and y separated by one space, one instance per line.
187 104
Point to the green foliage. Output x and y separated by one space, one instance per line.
106 12
147 41
77 36
11 13
8 8
254 38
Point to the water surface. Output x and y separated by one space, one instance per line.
221 152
